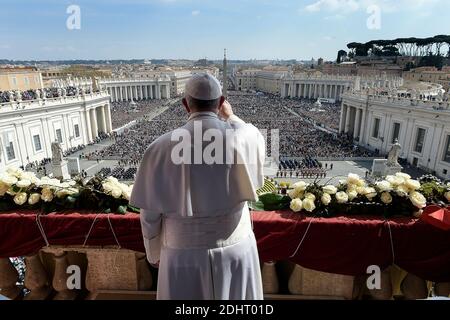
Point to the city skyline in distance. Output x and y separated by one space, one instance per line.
191 29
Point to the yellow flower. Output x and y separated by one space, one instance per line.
47 195
20 198
386 197
3 188
34 198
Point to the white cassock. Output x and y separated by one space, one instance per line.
195 219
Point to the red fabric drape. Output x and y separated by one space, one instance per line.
338 245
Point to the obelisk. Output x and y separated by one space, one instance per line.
225 78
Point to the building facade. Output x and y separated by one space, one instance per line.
128 89
20 78
28 128
422 127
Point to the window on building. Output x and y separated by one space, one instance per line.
447 150
376 128
59 135
77 130
420 140
37 142
396 132
10 154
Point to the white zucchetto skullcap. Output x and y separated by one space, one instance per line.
203 86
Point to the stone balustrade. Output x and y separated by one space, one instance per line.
69 273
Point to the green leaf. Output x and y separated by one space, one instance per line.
122 209
273 201
256 205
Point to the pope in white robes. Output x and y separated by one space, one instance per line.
192 187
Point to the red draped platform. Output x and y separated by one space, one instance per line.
340 245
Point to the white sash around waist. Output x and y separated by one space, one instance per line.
207 232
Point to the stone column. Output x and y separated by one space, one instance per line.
107 109
88 126
363 128
342 118
158 91
94 125
121 93
126 93
357 123
347 119
102 120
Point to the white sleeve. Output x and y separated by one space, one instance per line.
151 231
235 118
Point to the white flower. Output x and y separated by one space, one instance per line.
341 197
294 193
47 195
20 198
25 183
3 188
126 195
352 195
361 190
417 199
418 213
34 198
116 192
330 189
353 179
446 195
402 191
370 193
15 172
296 205
384 186
308 204
405 176
412 184
300 186
386 197
66 192
311 196
395 180
326 199
108 186
9 180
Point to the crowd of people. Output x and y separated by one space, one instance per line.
297 136
123 112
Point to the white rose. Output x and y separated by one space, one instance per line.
47 195
384 186
25 183
353 179
34 198
66 192
116 193
402 191
311 196
294 193
126 195
417 199
370 193
329 189
341 197
395 180
361 190
300 186
3 188
352 195
296 205
20 198
326 199
9 180
405 176
446 195
107 186
308 204
386 197
16 172
412 184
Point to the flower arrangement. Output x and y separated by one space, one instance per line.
397 194
22 189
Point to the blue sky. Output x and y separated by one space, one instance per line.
193 29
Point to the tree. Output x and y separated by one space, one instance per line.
341 54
